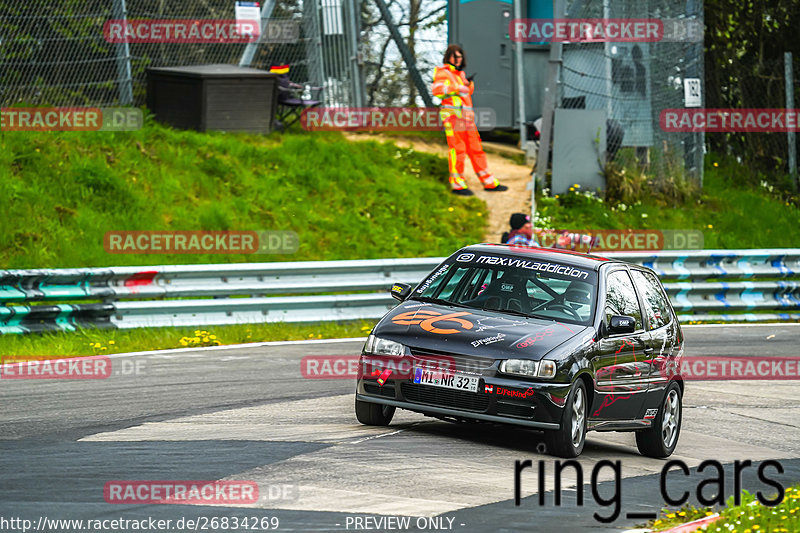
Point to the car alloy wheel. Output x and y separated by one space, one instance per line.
568 440
671 418
578 416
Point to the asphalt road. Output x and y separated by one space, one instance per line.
248 414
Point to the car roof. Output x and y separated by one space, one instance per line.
577 259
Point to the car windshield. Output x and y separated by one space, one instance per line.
518 286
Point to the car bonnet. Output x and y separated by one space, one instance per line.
457 330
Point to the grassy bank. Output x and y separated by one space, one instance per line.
748 517
61 192
732 211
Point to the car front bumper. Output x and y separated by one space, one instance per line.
508 401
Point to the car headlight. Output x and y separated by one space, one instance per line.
528 368
523 367
378 346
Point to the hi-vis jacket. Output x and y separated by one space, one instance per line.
451 85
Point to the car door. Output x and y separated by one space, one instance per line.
621 366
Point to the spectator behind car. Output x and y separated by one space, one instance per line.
521 233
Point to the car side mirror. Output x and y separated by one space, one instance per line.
400 291
621 324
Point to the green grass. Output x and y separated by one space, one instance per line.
748 517
732 212
103 342
61 192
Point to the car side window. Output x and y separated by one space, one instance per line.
621 298
655 305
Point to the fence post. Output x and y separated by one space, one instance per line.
355 58
124 77
250 49
518 57
550 101
791 136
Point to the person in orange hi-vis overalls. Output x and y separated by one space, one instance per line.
451 85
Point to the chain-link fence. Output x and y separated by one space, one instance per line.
635 81
56 53
757 84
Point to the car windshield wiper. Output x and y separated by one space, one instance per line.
439 301
508 311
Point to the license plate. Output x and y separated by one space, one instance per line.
446 379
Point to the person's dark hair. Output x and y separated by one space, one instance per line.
450 52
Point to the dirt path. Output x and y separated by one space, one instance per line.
517 199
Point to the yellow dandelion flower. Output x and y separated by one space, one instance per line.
710 226
112 342
103 348
205 339
310 335
451 209
184 343
212 337
481 214
682 513
197 332
671 515
716 164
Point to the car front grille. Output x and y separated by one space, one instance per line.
437 396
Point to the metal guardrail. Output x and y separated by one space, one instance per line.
723 285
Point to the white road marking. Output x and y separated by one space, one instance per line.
424 468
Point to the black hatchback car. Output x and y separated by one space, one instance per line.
557 341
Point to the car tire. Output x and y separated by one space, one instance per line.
374 414
660 439
568 440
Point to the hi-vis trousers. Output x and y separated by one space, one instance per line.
463 140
